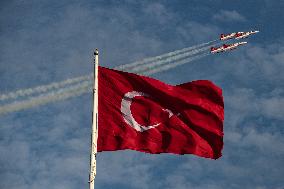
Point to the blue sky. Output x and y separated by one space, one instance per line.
47 41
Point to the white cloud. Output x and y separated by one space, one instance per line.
247 102
158 12
196 32
228 16
50 149
124 168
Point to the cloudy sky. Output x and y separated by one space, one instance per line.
48 41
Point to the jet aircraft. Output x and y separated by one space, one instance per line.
242 35
237 35
226 47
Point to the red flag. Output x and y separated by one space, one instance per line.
144 114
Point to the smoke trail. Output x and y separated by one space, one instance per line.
53 96
157 58
78 89
173 65
44 88
133 67
84 82
149 66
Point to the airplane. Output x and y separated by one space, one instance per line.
226 47
237 35
227 36
244 34
216 49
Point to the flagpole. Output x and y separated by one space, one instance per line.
94 136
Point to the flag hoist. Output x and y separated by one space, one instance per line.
94 136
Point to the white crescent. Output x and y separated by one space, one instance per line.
127 115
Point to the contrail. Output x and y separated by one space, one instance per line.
44 88
84 83
148 66
156 58
79 89
173 65
133 67
53 96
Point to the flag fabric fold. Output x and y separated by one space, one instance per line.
147 115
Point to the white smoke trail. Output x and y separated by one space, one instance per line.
53 96
84 84
149 66
79 89
157 58
133 67
173 61
173 65
72 91
44 88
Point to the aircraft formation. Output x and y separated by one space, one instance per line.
234 35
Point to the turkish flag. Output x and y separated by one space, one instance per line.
147 115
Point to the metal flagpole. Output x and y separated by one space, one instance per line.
94 137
